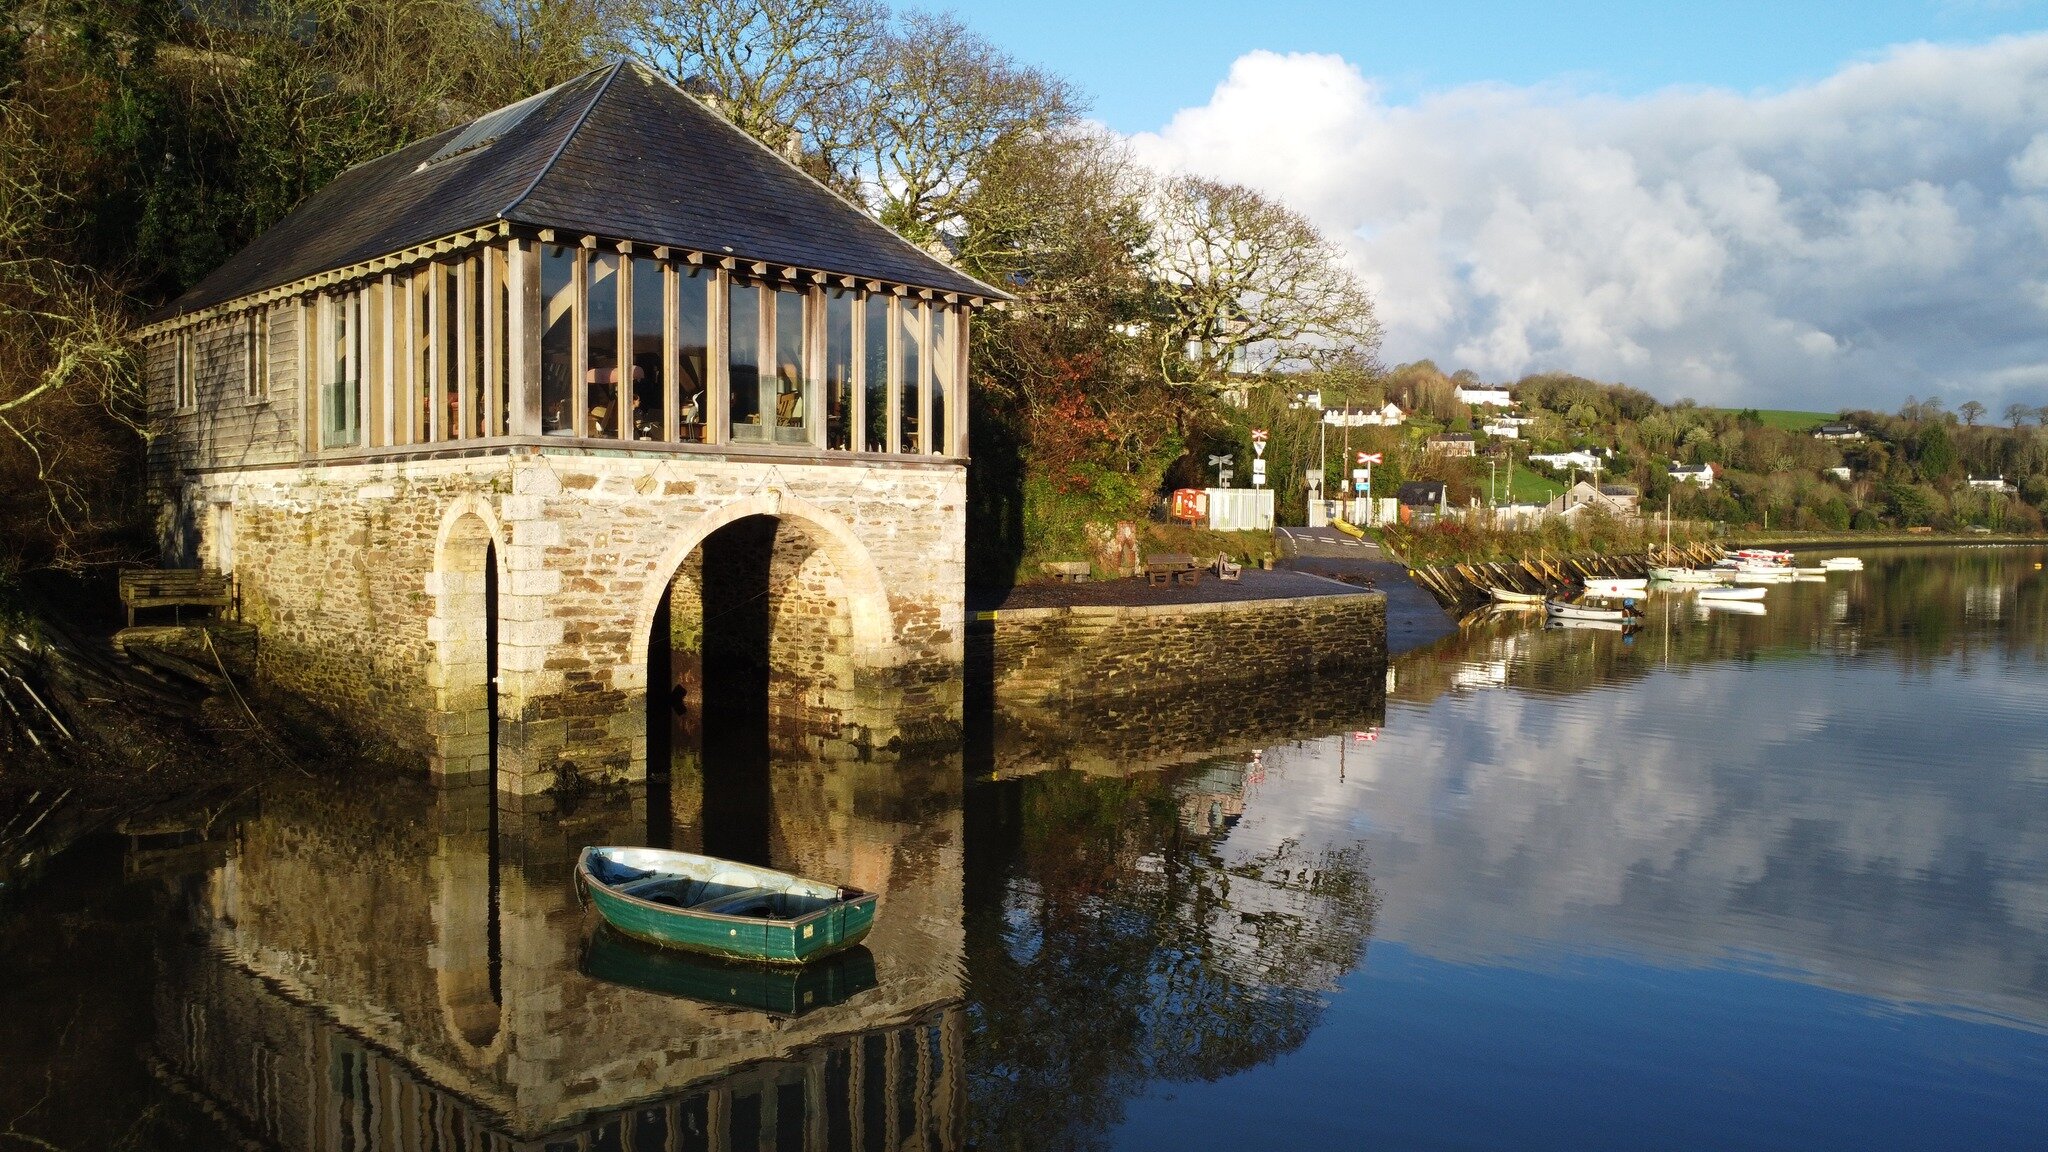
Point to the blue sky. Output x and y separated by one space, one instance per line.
1141 62
1785 204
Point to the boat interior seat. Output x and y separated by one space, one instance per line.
657 887
732 903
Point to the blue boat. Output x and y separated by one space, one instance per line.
722 907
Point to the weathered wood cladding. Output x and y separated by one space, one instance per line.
234 422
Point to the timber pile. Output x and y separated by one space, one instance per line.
1460 587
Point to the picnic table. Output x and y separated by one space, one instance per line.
1163 568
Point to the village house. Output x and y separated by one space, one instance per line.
1700 474
1422 501
1503 430
1452 444
1616 500
1835 430
1582 459
1388 415
1485 397
495 432
1997 484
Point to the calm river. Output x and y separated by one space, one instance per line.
1731 881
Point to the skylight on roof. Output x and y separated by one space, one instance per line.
485 130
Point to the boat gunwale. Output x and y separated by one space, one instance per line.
848 897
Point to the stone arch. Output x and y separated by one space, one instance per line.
874 633
469 563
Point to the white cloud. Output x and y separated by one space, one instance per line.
1875 234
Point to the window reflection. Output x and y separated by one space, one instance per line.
601 376
693 351
876 375
941 379
910 375
839 369
792 383
558 340
743 362
650 378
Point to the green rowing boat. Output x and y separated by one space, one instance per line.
721 907
777 989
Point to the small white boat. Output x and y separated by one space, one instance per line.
1616 586
1510 596
1843 564
1751 593
1559 610
1689 575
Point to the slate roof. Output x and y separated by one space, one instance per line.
618 152
1419 492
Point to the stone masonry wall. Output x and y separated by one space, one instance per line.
356 577
1039 657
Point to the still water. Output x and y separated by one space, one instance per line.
1730 881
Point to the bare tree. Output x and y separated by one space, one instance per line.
1247 286
2016 414
1971 411
949 98
798 75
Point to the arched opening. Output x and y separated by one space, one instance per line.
464 629
751 652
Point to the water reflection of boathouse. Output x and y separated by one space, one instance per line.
352 976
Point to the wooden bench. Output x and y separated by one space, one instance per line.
1066 571
174 588
1166 568
1226 569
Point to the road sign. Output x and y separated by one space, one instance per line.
1258 441
1259 473
1369 457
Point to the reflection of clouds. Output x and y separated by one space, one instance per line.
1880 830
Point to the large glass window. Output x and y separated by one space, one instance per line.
909 375
875 362
743 361
601 374
341 401
558 340
944 366
426 321
693 350
792 375
648 410
452 361
839 304
499 317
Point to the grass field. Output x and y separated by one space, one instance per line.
1786 419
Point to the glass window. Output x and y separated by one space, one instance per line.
943 365
909 375
792 379
876 386
839 368
341 405
743 361
601 352
500 313
475 373
426 326
693 349
448 306
557 340
650 380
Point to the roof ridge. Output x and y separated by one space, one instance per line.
581 119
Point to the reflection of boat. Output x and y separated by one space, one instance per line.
1616 586
1762 575
1818 570
1559 610
779 989
1843 564
1510 596
1731 593
1594 625
704 904
1739 607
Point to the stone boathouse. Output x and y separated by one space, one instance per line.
590 395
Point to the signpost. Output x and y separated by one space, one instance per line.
1361 479
1259 457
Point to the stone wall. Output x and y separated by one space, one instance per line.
366 582
1042 657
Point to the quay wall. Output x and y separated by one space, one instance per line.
1051 657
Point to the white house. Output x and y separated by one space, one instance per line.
1700 474
1840 472
1582 459
1997 484
1490 397
1503 429
1388 416
1836 430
